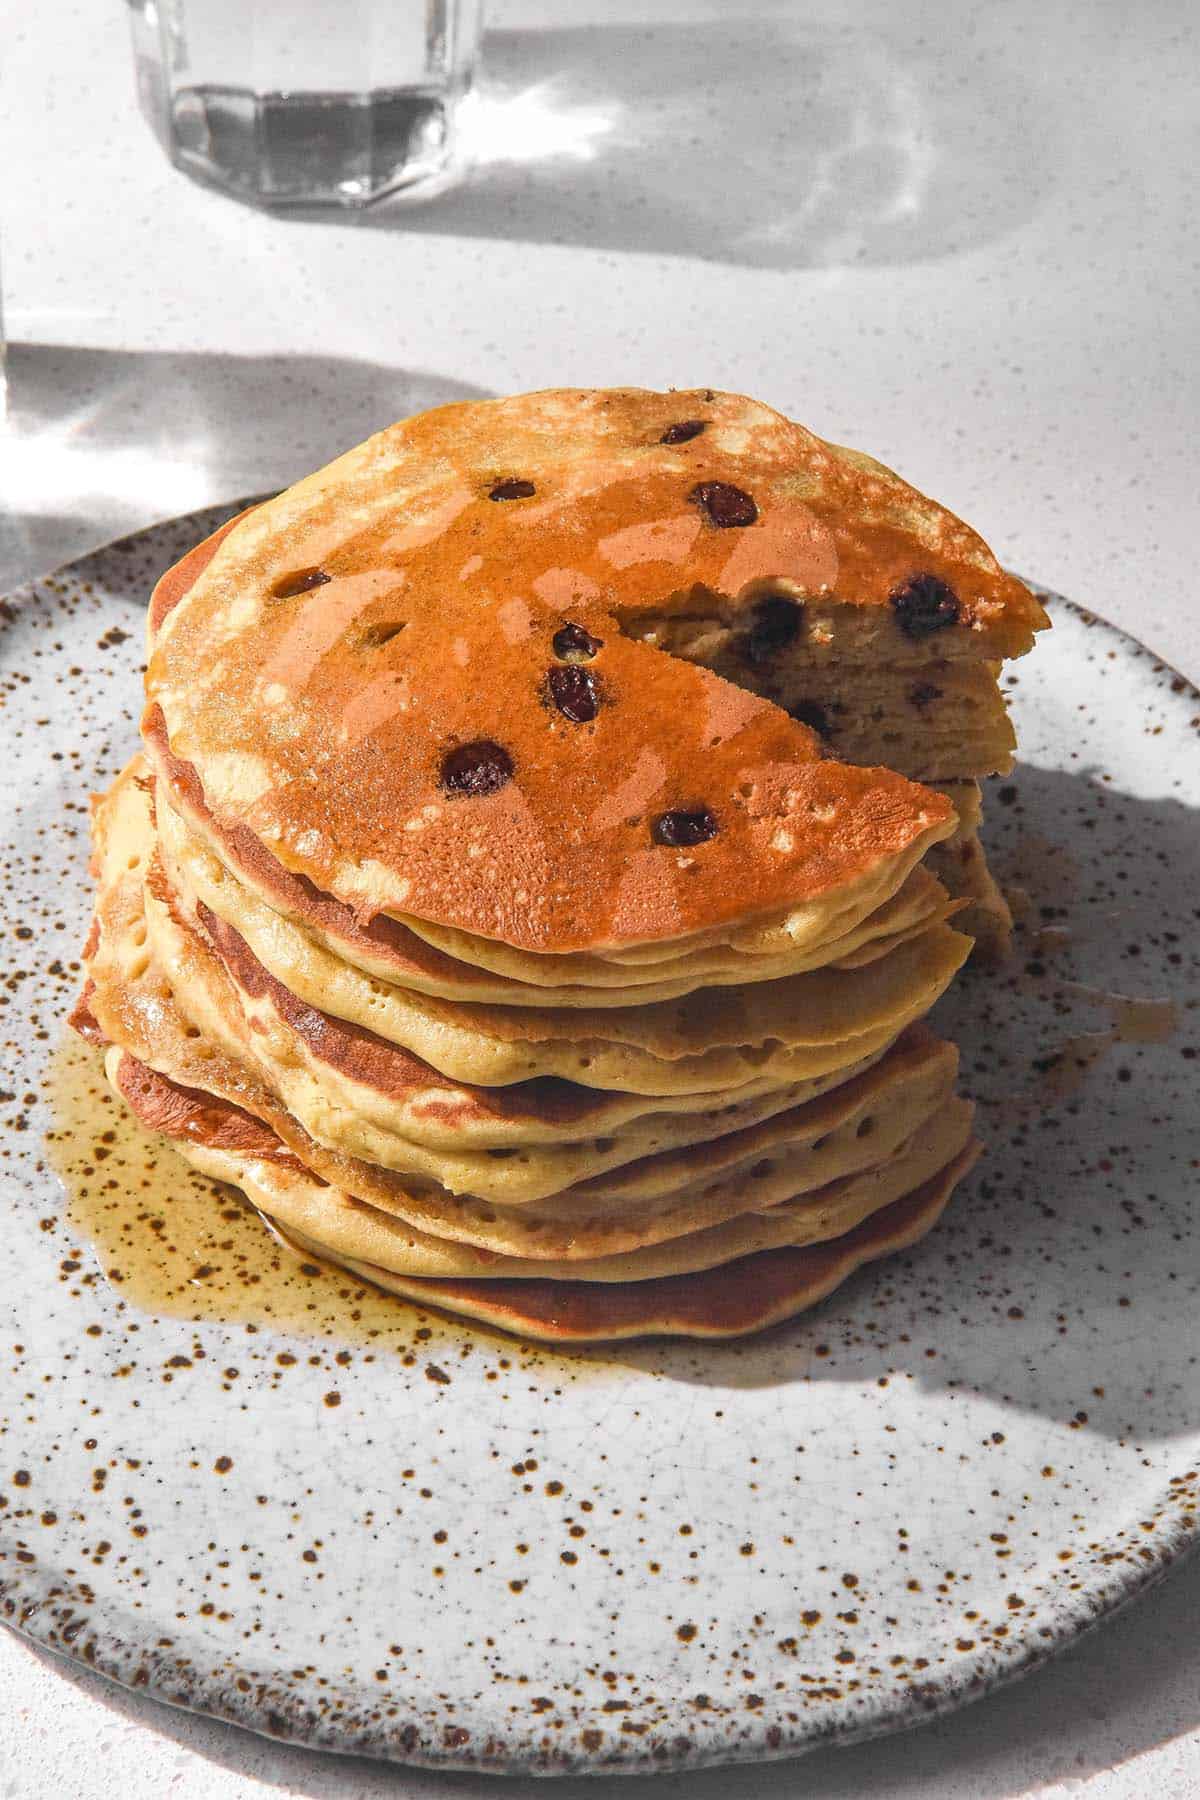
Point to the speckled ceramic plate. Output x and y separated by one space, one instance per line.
427 1542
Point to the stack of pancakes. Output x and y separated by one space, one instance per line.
475 912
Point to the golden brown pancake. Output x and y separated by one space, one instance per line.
728 1296
399 728
247 889
703 1042
529 902
732 1301
229 1148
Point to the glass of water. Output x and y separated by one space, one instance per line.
308 102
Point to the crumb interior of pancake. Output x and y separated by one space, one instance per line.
932 719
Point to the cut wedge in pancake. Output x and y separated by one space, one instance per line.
936 721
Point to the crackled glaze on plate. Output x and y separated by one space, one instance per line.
420 1540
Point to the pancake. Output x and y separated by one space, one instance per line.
706 1042
961 865
355 1093
279 1185
205 1096
249 889
370 1078
730 1299
399 729
525 1148
510 1144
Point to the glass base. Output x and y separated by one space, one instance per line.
297 149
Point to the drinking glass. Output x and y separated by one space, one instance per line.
308 102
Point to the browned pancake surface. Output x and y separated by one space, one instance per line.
370 673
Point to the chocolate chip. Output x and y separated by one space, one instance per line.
374 637
513 489
776 625
684 431
476 768
288 586
688 825
812 714
923 693
923 604
574 692
573 644
724 503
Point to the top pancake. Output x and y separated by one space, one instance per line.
346 640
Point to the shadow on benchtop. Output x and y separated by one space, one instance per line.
775 142
103 442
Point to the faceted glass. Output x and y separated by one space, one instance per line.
307 102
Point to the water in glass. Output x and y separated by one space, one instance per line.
318 102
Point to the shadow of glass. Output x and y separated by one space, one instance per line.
1060 1280
778 143
103 442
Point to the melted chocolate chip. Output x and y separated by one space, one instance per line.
288 586
513 489
374 637
776 625
724 504
687 825
476 768
923 604
684 431
571 643
574 692
812 714
923 693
